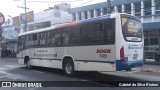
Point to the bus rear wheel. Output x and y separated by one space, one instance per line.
68 67
28 64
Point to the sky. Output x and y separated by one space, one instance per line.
9 7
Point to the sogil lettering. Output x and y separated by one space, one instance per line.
103 51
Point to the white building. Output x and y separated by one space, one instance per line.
63 7
49 18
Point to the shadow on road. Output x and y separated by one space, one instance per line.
86 76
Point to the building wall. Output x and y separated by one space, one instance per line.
48 18
63 7
157 19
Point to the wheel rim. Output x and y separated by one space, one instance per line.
68 68
28 64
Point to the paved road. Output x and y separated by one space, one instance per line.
11 71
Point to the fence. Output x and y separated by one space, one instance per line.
152 55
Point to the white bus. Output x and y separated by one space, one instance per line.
106 43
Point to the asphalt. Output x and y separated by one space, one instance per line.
11 71
149 65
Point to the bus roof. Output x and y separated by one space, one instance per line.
71 24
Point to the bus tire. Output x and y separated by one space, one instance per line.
27 62
68 67
28 65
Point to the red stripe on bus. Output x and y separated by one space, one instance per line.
66 25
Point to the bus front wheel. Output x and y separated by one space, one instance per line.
68 67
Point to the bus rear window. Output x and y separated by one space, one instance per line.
132 29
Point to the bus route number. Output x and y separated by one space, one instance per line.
103 55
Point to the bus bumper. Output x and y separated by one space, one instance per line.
120 65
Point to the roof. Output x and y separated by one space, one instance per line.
151 26
9 41
102 5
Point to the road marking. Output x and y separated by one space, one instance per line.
134 71
9 66
37 71
95 82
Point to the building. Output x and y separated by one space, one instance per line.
147 10
15 25
66 7
49 18
10 30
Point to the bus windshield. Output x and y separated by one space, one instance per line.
132 29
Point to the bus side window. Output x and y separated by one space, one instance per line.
29 40
35 38
109 31
21 43
50 38
42 39
75 36
66 36
92 33
95 34
57 38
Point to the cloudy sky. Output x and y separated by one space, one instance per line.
9 7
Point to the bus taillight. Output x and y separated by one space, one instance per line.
122 54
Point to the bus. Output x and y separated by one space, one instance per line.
111 42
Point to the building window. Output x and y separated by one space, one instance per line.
157 6
74 17
98 12
85 15
147 7
92 13
80 16
127 8
153 41
146 41
119 9
138 9
104 11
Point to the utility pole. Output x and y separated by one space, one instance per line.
108 6
25 16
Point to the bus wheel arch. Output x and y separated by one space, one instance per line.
68 66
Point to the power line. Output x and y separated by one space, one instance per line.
55 1
84 3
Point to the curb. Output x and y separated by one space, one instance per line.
147 70
150 70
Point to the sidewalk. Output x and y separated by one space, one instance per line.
151 68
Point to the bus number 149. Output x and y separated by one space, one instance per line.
103 55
